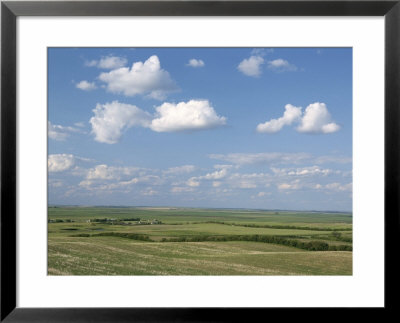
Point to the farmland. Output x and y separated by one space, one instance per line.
189 241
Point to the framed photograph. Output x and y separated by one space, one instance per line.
197 160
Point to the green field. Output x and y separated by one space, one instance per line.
187 241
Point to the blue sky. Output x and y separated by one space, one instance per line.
263 128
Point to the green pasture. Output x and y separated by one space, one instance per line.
177 215
165 230
75 247
114 256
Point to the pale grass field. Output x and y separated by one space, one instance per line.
119 256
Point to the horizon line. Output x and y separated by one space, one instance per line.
195 207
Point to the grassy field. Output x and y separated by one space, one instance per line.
179 241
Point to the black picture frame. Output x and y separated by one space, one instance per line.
10 10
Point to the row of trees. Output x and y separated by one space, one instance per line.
311 245
279 226
307 245
133 236
60 221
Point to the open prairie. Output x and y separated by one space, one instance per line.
188 241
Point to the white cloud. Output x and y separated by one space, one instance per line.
108 62
291 114
281 65
287 186
184 116
60 133
92 185
142 78
111 119
193 182
109 178
195 63
55 132
304 171
60 162
105 172
100 172
297 185
215 175
86 86
251 66
316 119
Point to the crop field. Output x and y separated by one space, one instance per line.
188 241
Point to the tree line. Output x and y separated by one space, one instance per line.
311 245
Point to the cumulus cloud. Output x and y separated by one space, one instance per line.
108 62
304 171
186 116
281 65
109 187
116 178
60 162
100 172
55 132
105 172
60 133
217 175
86 86
146 78
111 119
295 185
317 119
251 66
195 63
291 114
193 182
298 185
